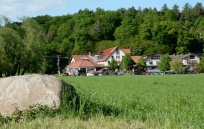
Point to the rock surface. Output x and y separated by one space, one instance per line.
26 90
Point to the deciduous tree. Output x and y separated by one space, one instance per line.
164 64
113 64
176 65
200 65
126 62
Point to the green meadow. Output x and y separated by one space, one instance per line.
165 100
137 101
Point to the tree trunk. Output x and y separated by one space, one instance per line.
19 69
1 74
23 72
13 73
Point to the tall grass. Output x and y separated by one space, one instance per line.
173 100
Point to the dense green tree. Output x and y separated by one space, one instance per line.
186 14
138 51
186 37
164 64
176 65
164 8
141 62
33 42
110 21
199 23
170 15
11 48
126 62
176 11
96 31
128 27
197 11
200 65
113 64
21 52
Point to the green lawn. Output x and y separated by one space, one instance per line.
173 100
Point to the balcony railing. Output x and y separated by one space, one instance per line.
192 61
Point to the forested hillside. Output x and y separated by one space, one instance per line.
28 45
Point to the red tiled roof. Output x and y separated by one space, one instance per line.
85 63
108 52
135 58
78 57
126 51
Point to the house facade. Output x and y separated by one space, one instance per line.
96 62
190 59
152 61
103 59
105 56
81 63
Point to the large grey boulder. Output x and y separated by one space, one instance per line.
22 91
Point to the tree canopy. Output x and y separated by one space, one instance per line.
144 31
164 64
176 65
126 62
113 64
21 48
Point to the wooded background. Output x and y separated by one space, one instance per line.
27 45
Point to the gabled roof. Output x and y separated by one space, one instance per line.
78 57
126 51
84 63
135 58
182 56
109 51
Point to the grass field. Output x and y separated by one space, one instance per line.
152 101
167 100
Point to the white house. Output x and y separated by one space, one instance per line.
152 61
89 62
188 59
107 55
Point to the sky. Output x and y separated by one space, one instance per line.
15 9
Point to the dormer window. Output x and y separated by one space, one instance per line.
192 57
117 51
84 58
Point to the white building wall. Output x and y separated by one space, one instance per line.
185 60
117 57
72 61
154 62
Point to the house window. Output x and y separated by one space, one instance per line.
117 57
112 57
155 57
192 57
117 51
122 56
157 62
108 62
151 63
